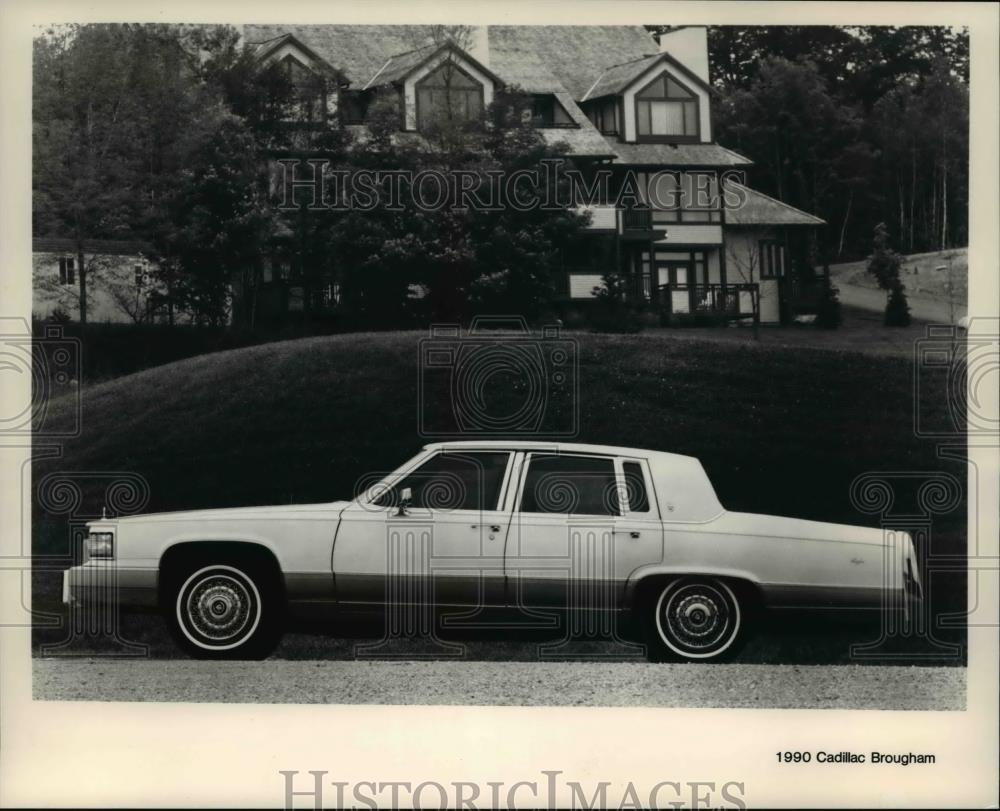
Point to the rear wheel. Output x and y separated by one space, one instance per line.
694 619
225 610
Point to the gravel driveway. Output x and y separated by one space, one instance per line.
503 683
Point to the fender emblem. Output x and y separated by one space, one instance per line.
857 561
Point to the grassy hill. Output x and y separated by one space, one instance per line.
780 430
919 273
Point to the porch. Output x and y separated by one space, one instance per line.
708 303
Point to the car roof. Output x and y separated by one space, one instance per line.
551 446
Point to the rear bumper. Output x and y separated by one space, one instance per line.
104 582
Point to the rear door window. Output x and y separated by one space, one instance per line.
575 485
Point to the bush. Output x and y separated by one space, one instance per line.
621 319
828 315
572 318
897 311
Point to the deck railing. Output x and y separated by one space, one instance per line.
730 301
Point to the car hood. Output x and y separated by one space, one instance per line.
332 508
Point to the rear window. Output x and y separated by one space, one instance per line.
635 486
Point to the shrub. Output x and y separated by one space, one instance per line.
897 310
621 320
828 315
612 312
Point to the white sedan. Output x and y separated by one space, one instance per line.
527 526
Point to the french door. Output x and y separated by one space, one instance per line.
674 273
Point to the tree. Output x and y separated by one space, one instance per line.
116 111
462 259
884 264
876 119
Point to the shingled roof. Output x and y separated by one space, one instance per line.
759 209
678 155
617 77
569 58
573 62
576 55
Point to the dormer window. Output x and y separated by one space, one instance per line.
448 94
666 110
604 115
546 111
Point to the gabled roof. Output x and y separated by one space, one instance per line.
399 66
582 140
571 57
269 47
759 209
576 55
618 78
569 61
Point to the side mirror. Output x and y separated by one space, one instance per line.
405 498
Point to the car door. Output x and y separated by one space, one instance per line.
445 547
580 527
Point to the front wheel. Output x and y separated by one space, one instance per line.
695 620
223 611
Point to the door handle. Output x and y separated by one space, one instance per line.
492 527
632 533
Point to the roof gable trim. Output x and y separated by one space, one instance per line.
664 58
463 56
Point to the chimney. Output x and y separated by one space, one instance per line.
688 44
479 44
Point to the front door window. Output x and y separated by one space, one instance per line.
452 481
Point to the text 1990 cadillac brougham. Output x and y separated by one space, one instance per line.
521 525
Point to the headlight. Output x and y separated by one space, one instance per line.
100 545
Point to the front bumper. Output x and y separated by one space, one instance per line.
105 582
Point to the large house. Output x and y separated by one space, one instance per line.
697 243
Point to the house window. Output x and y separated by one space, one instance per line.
139 275
666 110
308 96
604 116
688 197
352 106
772 259
67 273
448 94
546 111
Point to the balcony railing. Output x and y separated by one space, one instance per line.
731 301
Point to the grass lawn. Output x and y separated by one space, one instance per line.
781 429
